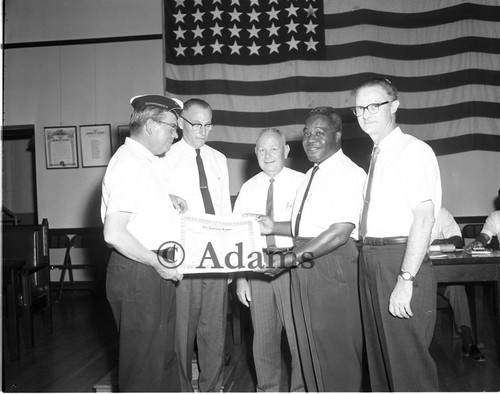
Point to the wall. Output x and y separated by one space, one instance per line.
86 84
77 85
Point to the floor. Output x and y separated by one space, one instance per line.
83 349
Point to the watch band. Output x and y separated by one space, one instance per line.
406 276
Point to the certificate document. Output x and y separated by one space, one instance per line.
219 244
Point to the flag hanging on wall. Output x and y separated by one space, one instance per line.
266 63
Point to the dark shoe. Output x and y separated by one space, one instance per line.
474 353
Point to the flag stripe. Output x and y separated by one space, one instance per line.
400 6
293 132
196 75
445 146
411 20
413 52
389 35
331 84
407 116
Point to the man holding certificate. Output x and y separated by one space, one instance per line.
325 298
271 192
199 174
138 216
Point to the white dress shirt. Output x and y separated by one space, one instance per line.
181 172
134 184
335 196
253 196
445 226
406 174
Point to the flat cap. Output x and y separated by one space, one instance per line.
169 104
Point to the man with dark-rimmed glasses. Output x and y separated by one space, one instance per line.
397 282
199 174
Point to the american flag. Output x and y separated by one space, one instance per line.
265 63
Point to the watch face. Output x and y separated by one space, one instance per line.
406 276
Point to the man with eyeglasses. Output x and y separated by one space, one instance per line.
199 174
397 281
139 216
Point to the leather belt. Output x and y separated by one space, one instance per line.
384 241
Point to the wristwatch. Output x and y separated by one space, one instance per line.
406 276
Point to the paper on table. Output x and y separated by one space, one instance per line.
217 244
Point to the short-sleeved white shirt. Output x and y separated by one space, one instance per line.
253 196
445 226
134 183
335 196
182 177
492 225
406 174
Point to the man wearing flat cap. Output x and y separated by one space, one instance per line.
139 216
199 174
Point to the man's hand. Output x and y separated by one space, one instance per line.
474 245
399 302
179 203
266 224
165 272
243 291
279 263
169 273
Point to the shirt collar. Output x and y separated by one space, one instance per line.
140 150
332 160
188 148
390 139
277 176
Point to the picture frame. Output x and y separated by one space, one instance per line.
61 147
122 132
95 141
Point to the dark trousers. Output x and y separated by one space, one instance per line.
143 305
397 349
201 315
327 316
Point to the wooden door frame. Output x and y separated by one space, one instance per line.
22 132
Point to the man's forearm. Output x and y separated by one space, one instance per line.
418 242
326 242
282 228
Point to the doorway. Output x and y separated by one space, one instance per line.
19 175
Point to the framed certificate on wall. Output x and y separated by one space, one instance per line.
61 147
96 145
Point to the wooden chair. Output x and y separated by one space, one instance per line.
29 243
95 255
60 241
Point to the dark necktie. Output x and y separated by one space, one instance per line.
366 204
205 193
299 214
270 239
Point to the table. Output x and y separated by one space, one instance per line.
461 267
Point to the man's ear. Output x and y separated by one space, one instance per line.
338 136
149 126
394 106
180 123
287 151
